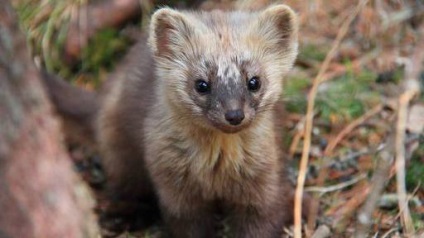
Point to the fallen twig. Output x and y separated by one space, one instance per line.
350 207
412 88
378 182
390 200
365 151
380 176
323 190
416 201
332 145
296 139
385 235
400 161
308 126
356 64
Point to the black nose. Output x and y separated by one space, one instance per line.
234 117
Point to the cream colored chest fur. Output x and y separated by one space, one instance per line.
231 167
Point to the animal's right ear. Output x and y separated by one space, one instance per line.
169 31
278 27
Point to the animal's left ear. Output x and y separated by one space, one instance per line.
278 26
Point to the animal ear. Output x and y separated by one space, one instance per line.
279 27
169 30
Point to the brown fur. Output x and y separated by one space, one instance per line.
160 137
164 125
77 107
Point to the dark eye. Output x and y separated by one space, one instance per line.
202 86
254 84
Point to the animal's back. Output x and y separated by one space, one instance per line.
126 99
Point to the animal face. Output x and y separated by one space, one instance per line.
227 91
223 69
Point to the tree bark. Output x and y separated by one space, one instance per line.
40 195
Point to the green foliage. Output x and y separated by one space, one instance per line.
346 97
294 94
341 100
313 52
296 84
365 77
104 49
26 12
46 27
45 24
417 219
415 177
398 75
415 171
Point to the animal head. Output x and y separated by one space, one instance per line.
223 69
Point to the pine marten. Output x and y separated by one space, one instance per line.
189 121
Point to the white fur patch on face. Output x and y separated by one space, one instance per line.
229 73
225 49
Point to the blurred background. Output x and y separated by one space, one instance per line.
360 63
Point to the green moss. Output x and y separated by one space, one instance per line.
313 52
295 85
294 92
415 171
106 47
345 108
418 221
296 104
366 77
348 96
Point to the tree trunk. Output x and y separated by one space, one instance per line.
40 195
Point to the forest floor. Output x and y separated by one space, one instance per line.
362 71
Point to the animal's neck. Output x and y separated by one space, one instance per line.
212 145
255 137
